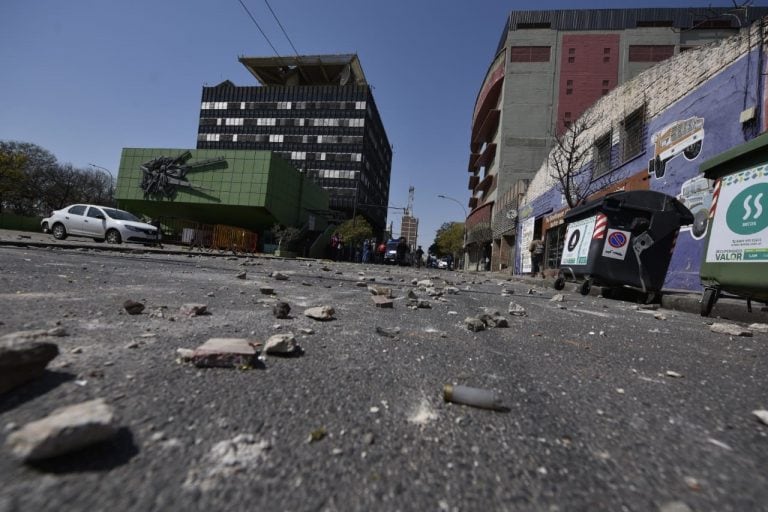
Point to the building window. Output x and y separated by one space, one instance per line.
650 53
655 23
602 155
633 134
529 54
569 87
521 26
606 87
567 120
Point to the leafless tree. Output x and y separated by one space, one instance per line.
580 165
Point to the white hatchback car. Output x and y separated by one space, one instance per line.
100 223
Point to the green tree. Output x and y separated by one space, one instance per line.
355 231
449 239
11 174
286 236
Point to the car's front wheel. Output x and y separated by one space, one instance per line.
113 237
59 231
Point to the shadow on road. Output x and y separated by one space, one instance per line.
30 390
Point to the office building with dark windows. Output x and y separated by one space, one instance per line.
316 112
548 69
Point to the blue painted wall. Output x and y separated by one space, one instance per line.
719 102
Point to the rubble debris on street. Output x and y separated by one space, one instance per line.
388 333
380 291
516 309
65 430
382 302
762 415
193 309
24 356
321 313
132 307
281 344
226 353
730 329
281 310
474 324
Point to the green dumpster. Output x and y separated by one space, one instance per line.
735 258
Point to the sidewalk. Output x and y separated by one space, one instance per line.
678 300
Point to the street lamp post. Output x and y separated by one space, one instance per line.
109 175
464 224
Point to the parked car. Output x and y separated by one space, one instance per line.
100 223
442 263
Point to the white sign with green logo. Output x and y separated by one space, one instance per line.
578 239
739 232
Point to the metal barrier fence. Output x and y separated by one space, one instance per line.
208 237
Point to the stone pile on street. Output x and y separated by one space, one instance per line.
298 393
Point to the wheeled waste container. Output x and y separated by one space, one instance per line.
735 257
624 239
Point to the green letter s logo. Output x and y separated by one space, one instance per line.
748 212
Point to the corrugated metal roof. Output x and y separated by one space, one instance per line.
620 19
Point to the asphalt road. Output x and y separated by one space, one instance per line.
594 422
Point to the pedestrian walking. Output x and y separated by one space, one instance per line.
419 254
537 255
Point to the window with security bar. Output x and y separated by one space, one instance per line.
602 155
633 134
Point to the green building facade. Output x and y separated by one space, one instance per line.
247 189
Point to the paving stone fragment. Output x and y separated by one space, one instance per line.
516 309
225 353
23 357
279 276
281 344
322 313
185 354
266 290
674 375
730 329
411 295
383 302
675 506
132 307
762 415
425 283
474 324
382 291
451 290
757 327
389 333
434 292
306 330
193 309
65 430
558 297
242 274
281 310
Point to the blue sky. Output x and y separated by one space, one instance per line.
85 78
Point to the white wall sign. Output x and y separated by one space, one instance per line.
525 242
578 238
616 243
739 232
